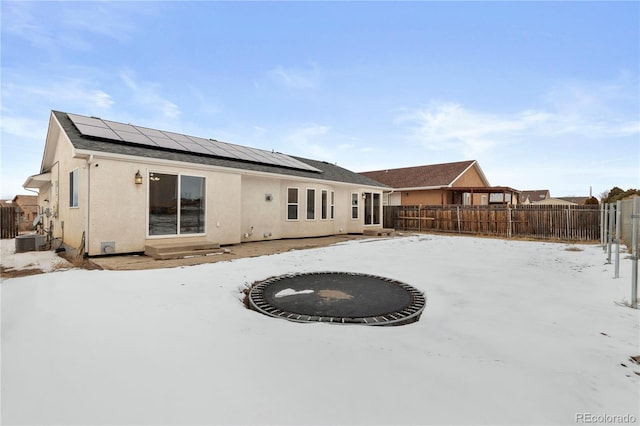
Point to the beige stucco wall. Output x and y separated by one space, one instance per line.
57 194
264 218
119 207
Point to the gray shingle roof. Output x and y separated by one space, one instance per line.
329 172
420 176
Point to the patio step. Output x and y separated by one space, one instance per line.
379 232
181 250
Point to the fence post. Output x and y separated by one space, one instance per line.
509 231
635 217
610 232
602 223
617 267
458 216
605 227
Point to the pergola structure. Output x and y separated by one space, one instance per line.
496 194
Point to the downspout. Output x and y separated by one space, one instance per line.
88 210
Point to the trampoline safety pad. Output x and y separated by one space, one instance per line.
337 297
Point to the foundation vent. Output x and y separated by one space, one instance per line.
107 247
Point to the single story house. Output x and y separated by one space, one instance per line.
107 187
25 210
554 202
461 182
28 205
534 196
579 201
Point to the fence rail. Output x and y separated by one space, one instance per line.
576 223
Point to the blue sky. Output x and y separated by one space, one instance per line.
545 95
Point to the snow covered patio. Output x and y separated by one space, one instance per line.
513 332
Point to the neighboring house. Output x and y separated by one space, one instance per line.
530 197
461 182
110 187
28 205
576 200
555 202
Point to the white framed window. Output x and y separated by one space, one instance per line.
355 197
311 204
324 204
73 188
484 200
466 198
292 203
176 204
332 205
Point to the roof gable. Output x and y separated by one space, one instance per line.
434 175
535 195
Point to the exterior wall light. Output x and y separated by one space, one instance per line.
138 178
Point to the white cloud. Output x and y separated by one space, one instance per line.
570 111
296 78
61 26
450 126
71 93
310 140
23 127
147 95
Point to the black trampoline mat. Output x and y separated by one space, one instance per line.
337 297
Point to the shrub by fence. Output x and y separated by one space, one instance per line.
578 223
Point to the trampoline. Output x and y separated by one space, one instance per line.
337 297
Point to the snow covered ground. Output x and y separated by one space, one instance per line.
513 333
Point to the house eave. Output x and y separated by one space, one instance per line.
37 181
83 153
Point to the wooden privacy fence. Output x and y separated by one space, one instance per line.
579 223
8 222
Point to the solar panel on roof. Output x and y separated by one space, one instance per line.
166 143
90 121
177 137
251 152
194 147
223 147
151 132
120 132
120 126
135 138
99 132
237 153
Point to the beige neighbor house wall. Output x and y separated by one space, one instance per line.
424 197
471 178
